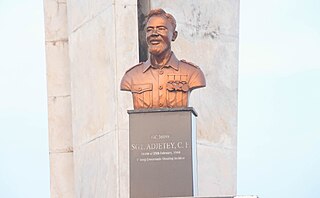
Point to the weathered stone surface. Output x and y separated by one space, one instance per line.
93 74
59 103
58 71
56 20
217 171
61 175
98 59
127 56
81 12
92 60
60 129
96 167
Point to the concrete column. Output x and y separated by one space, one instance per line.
208 36
59 100
103 42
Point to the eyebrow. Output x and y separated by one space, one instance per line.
156 26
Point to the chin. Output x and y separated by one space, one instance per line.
156 50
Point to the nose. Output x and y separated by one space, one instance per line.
154 32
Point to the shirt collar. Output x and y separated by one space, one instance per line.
173 62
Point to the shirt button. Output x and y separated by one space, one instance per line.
160 87
160 72
160 104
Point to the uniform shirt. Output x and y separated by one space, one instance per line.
165 87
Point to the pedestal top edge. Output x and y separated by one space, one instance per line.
157 110
239 196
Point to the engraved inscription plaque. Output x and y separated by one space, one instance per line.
162 145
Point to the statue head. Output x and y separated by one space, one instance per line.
160 31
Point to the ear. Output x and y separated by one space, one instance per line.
174 36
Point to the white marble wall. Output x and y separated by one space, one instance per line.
59 100
208 36
89 45
103 42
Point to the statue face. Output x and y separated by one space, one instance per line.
159 35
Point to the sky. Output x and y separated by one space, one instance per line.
279 98
24 163
278 115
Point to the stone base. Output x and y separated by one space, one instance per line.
162 153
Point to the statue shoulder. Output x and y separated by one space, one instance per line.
135 66
190 63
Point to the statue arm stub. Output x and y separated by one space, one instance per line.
125 84
197 79
126 81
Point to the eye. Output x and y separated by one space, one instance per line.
162 28
149 29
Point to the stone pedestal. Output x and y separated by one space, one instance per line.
163 157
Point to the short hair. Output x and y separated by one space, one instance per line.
161 12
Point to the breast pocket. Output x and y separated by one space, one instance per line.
142 95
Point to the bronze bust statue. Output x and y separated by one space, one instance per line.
162 81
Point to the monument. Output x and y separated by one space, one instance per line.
162 130
89 46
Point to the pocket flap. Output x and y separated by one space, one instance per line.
140 88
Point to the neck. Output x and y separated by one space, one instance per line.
161 59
